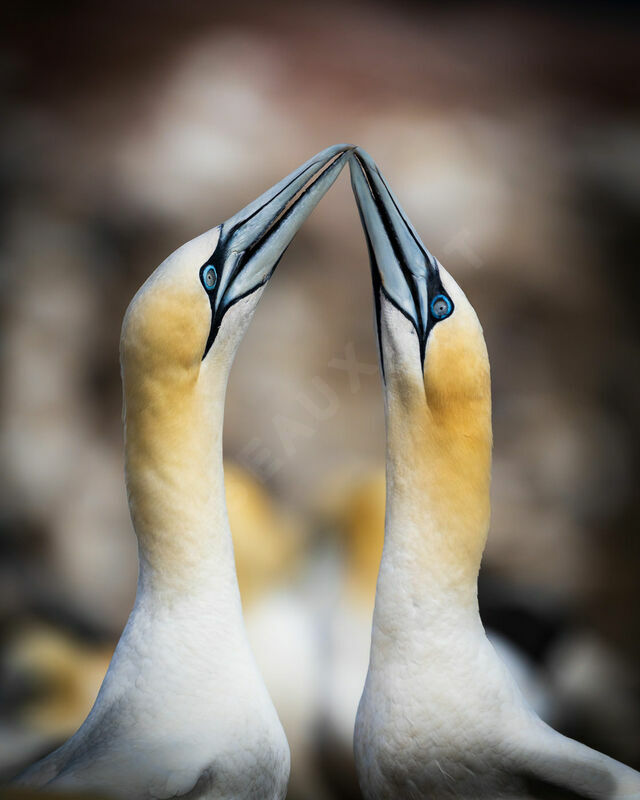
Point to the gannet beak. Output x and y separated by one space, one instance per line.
402 267
252 241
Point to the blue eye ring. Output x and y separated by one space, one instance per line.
209 277
437 309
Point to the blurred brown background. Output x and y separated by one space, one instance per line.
511 136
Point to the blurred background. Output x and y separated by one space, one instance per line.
511 135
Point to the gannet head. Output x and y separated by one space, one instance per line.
435 367
179 338
445 346
197 304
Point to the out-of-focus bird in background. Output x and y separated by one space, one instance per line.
272 555
268 540
53 677
440 716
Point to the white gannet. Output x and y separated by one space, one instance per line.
440 715
183 711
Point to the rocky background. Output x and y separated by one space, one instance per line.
510 135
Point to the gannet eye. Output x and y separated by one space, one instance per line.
209 277
441 306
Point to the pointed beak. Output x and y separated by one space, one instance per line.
252 241
255 238
402 267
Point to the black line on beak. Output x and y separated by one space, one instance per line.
234 256
397 251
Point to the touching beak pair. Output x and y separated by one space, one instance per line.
252 242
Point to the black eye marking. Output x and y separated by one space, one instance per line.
209 279
441 307
222 259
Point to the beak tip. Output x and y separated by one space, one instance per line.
346 152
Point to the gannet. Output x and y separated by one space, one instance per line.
356 517
440 715
183 711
